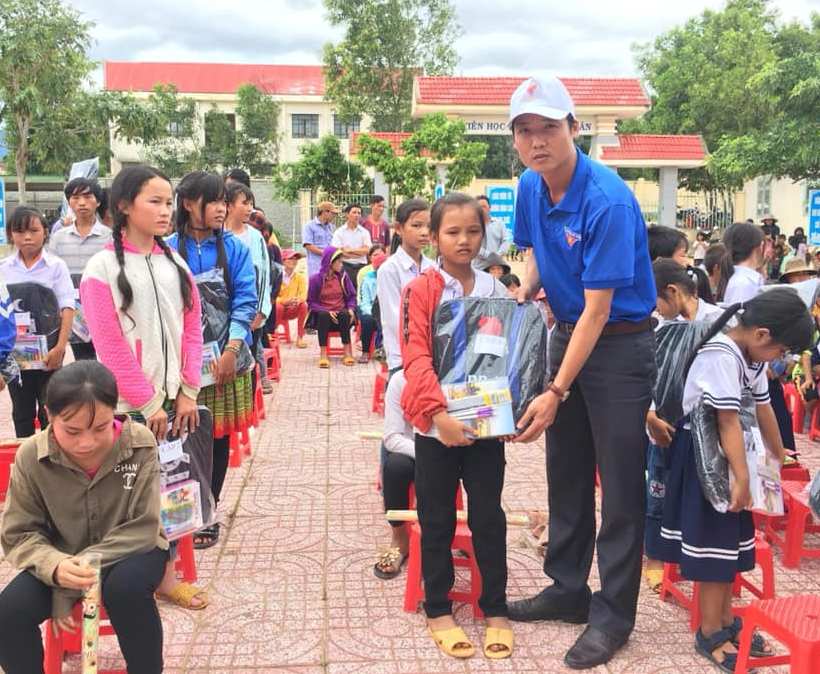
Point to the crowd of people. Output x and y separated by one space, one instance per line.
141 288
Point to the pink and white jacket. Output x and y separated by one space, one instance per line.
155 348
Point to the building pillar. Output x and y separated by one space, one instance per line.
380 186
668 196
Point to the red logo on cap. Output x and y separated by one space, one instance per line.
532 87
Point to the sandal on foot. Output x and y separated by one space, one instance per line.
706 646
206 537
301 344
324 363
453 642
502 639
759 647
392 558
654 579
348 360
183 594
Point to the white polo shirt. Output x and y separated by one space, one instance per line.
359 237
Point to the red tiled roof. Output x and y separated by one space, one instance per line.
647 146
394 138
497 90
214 78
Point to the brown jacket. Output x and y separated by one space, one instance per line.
55 511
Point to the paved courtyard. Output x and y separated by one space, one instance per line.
291 581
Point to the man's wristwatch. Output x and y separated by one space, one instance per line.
562 395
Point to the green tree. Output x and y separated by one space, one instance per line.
697 75
321 168
43 64
438 140
787 144
387 43
257 139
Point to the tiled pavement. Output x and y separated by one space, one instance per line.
291 581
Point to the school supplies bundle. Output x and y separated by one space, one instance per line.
210 356
216 314
186 464
37 315
485 406
80 334
675 342
493 351
713 468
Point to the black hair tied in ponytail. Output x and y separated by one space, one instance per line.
125 188
740 239
779 310
209 187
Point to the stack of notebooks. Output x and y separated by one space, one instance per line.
485 406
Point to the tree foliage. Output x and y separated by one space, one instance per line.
787 141
438 140
321 169
386 44
697 74
42 65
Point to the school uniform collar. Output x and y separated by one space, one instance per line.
97 229
46 259
483 284
574 196
407 263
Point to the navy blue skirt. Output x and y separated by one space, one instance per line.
709 546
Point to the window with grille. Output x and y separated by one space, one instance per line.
342 129
304 126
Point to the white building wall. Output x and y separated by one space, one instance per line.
784 198
288 146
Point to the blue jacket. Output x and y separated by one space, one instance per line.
8 334
201 257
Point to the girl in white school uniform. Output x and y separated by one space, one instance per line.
712 547
740 279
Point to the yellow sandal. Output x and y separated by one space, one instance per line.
324 363
183 594
654 579
448 639
498 636
348 360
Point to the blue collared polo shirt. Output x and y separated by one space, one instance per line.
595 238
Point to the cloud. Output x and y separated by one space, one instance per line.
579 37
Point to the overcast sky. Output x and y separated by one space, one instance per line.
568 37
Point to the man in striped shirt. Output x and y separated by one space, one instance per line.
77 243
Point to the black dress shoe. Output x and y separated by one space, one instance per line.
592 648
544 607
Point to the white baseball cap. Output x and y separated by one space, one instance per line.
542 96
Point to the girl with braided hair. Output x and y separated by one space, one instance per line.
143 311
224 272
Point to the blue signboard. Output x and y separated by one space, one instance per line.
814 217
2 211
502 205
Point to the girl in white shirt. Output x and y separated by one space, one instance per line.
739 279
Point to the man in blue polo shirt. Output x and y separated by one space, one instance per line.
590 255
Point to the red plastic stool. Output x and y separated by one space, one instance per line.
379 388
240 445
795 405
8 451
273 359
283 331
814 424
185 563
334 350
798 522
763 558
463 541
795 622
258 411
56 647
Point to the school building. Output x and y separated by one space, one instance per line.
482 102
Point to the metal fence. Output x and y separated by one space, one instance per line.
705 212
305 210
